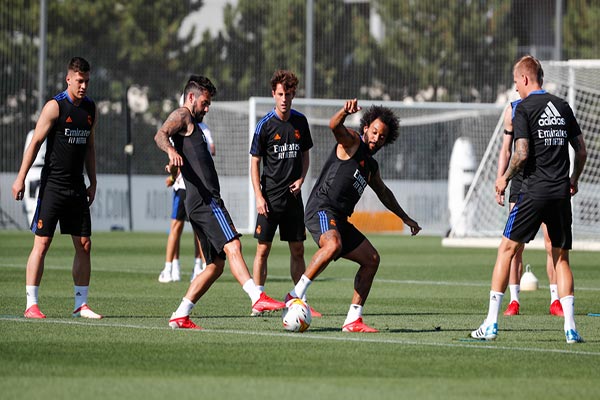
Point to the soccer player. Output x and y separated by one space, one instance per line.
516 264
206 210
172 270
281 142
544 126
67 123
345 175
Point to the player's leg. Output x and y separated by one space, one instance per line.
488 330
323 226
199 260
516 270
514 283
172 252
82 268
264 232
33 274
368 260
566 291
260 265
555 306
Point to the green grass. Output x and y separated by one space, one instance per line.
425 299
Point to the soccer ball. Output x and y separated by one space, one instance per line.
296 316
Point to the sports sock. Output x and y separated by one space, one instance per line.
514 292
354 313
495 304
184 309
175 263
168 266
197 262
301 287
568 305
261 287
81 295
252 290
553 293
32 295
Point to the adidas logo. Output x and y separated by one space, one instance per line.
551 116
69 120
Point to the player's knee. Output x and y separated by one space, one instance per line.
373 261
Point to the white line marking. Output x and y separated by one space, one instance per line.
345 338
144 271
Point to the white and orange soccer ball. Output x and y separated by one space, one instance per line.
296 316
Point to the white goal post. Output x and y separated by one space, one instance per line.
415 167
482 220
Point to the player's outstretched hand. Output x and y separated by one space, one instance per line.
414 226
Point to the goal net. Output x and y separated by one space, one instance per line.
482 221
415 167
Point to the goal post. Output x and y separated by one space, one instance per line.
415 167
482 219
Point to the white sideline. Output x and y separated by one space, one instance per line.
344 338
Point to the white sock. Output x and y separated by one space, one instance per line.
495 304
301 287
252 290
198 262
514 292
32 295
568 305
354 313
175 263
81 295
167 267
261 287
184 309
553 293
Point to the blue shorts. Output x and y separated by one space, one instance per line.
528 214
178 212
290 222
67 205
325 220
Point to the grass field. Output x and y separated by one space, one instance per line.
425 301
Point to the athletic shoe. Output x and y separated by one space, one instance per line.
573 337
485 332
265 304
313 312
165 276
358 326
175 274
34 312
556 309
183 323
85 312
513 308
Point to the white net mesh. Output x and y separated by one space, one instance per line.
415 167
579 83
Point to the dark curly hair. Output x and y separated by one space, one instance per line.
288 80
386 116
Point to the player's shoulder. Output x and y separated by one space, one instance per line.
297 114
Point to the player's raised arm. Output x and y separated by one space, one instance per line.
175 123
344 136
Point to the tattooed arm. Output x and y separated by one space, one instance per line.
176 123
344 136
517 164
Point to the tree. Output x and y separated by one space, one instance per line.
581 32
